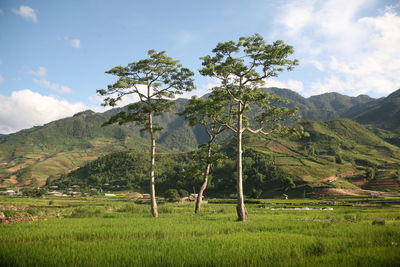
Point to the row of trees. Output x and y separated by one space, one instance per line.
241 67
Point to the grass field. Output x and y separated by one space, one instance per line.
115 232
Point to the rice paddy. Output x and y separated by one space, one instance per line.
117 232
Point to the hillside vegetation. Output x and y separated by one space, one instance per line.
336 154
33 156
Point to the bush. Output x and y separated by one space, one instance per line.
338 159
34 192
352 218
370 174
378 222
183 193
171 195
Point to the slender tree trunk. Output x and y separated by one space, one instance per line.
240 208
205 181
154 209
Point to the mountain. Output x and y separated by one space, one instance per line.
327 106
383 113
336 154
31 156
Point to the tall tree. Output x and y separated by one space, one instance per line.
155 81
208 113
242 68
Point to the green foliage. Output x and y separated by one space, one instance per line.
183 193
260 174
120 170
242 68
370 173
171 195
338 159
162 78
34 192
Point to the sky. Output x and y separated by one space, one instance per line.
53 53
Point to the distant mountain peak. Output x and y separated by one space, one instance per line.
87 112
395 94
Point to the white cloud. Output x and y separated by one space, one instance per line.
358 54
53 86
1 12
26 12
25 109
75 43
1 78
294 85
42 72
209 83
316 63
97 100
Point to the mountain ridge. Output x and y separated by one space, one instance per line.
68 143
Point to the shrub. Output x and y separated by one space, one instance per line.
338 159
34 192
370 173
183 193
32 211
171 195
378 222
10 213
352 218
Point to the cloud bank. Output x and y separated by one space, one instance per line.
25 109
355 54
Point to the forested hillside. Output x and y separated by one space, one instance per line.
340 150
32 156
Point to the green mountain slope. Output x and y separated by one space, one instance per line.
336 154
32 156
383 113
327 106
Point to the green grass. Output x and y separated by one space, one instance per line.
101 232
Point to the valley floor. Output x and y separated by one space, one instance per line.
117 232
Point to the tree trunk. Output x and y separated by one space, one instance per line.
154 209
240 208
205 181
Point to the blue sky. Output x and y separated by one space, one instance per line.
53 54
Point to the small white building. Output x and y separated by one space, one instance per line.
10 192
55 193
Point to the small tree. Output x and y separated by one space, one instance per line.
171 195
370 173
155 81
208 113
242 68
